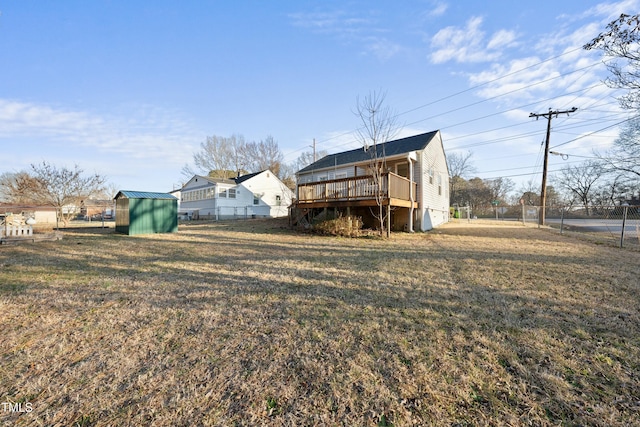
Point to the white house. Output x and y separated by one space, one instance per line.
256 195
415 183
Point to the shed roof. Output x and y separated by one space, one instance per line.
144 195
391 148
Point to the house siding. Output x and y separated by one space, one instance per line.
429 159
265 184
433 186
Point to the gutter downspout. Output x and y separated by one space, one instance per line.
411 195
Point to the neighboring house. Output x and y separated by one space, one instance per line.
93 209
259 194
177 195
415 183
41 214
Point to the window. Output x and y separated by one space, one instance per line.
223 193
341 175
430 175
402 169
278 201
439 185
256 199
232 193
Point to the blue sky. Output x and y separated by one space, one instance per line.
129 89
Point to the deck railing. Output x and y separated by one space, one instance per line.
392 186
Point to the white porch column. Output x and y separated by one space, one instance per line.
412 197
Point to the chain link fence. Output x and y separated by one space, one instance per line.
619 225
222 213
616 225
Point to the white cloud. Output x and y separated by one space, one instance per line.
502 38
468 44
439 9
339 22
383 48
356 28
610 11
143 134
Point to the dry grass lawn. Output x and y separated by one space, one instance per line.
248 324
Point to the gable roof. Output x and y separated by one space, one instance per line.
244 178
237 180
390 149
213 180
144 195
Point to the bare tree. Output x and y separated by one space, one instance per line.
615 188
478 195
263 155
306 158
624 156
499 188
460 168
288 175
18 188
219 157
460 164
64 188
379 125
579 181
621 41
226 157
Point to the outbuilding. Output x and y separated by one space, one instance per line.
140 212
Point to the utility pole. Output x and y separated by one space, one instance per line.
314 150
543 192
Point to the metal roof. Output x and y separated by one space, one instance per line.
391 148
144 195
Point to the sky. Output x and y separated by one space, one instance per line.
129 89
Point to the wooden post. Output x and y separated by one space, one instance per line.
389 219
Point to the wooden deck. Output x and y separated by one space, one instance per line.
394 190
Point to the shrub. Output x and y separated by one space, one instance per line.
345 226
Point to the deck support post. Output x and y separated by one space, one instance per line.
388 219
411 195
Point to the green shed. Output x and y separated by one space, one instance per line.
140 212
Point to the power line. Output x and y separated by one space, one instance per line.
595 131
489 81
468 90
503 94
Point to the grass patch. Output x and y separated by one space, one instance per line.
246 323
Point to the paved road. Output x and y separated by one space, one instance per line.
599 225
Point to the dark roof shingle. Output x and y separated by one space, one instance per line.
391 148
